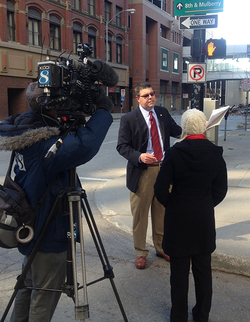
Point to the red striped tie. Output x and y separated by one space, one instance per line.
155 138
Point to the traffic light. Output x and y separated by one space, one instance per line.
196 47
215 48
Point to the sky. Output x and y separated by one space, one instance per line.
234 22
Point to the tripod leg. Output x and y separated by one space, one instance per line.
83 257
81 311
108 271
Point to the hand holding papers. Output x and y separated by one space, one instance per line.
217 116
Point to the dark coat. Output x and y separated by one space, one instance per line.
133 140
31 136
197 171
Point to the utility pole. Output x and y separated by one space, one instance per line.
198 56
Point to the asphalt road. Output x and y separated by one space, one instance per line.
144 294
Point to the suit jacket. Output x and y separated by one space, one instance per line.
133 140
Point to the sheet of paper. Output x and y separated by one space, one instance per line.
217 116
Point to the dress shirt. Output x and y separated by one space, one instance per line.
146 116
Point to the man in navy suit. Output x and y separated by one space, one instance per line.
135 145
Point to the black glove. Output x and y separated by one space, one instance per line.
105 103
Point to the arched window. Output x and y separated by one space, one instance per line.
92 41
119 50
55 33
35 29
11 20
77 36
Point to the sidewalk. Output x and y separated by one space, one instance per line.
232 215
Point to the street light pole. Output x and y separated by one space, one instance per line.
106 35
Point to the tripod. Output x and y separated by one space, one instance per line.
77 204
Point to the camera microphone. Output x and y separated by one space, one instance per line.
101 71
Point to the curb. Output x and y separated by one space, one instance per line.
234 264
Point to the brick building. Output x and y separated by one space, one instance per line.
144 46
30 30
155 49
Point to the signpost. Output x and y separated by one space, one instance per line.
196 7
199 22
122 94
246 88
122 98
197 71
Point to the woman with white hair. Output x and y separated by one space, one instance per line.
191 182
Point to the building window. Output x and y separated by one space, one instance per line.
160 4
157 3
11 20
55 33
119 50
176 38
109 48
119 16
35 30
175 63
91 7
77 36
77 4
107 11
129 21
147 27
163 31
164 59
163 5
92 41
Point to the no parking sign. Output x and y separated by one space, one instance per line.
196 73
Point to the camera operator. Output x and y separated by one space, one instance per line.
31 135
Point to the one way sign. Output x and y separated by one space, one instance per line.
199 22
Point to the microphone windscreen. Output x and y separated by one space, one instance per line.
101 71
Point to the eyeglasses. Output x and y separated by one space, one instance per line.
146 96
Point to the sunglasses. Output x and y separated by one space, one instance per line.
146 96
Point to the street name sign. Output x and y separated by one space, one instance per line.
199 22
196 7
196 73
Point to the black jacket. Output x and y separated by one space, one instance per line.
197 171
133 140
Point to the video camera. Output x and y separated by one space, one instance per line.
72 86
